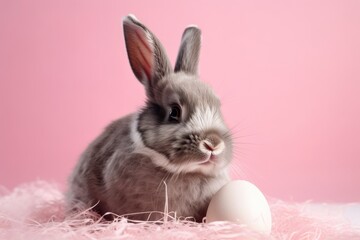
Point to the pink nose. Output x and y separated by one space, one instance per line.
209 146
212 144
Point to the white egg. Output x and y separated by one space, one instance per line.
243 203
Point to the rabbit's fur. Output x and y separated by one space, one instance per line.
124 170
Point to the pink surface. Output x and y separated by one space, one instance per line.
35 211
288 74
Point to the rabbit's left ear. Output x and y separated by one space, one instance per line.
147 56
188 56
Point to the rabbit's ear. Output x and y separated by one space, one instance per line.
188 56
147 57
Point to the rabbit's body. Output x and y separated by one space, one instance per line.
115 176
174 151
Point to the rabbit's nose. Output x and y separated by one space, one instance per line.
208 145
213 144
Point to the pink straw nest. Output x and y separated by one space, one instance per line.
36 211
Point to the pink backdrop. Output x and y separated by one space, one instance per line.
288 74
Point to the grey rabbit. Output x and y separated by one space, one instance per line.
177 144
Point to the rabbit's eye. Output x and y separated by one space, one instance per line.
175 113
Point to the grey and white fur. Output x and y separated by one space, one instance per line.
179 137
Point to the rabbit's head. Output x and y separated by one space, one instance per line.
182 119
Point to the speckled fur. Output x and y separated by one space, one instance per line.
124 170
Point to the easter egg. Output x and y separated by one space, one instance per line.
243 203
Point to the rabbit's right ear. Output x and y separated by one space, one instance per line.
188 56
147 57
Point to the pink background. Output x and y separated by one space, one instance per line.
288 74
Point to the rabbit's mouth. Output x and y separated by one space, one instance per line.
208 163
210 159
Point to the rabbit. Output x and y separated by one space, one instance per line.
173 152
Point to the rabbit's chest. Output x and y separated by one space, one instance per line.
187 198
